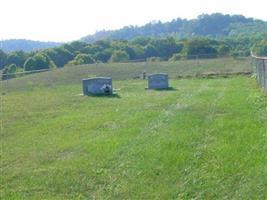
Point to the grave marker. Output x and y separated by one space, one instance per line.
97 86
158 81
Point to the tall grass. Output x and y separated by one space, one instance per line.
206 139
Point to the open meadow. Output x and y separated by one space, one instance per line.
204 139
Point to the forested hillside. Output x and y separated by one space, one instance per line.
214 25
235 36
25 45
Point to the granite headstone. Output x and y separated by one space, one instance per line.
97 86
158 81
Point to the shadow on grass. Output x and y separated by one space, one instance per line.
114 95
166 89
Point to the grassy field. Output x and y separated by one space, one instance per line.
206 139
123 71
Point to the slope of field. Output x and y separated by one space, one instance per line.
205 139
121 71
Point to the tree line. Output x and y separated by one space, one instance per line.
139 48
213 25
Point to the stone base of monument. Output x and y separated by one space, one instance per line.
158 81
97 86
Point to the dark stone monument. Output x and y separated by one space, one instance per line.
158 81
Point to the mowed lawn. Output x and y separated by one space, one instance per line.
205 139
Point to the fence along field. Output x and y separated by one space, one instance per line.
260 64
206 139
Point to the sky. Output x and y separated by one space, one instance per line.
68 20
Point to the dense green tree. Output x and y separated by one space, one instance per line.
104 44
151 51
140 40
38 61
17 57
166 47
75 46
92 49
126 46
104 56
223 50
215 24
29 64
3 59
200 47
119 56
9 72
82 59
139 52
60 56
260 48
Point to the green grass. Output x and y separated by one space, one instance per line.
206 139
123 71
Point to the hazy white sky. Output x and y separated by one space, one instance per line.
67 20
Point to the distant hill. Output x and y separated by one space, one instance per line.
25 45
214 25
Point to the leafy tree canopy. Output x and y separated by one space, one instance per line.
3 59
119 56
38 61
82 59
260 48
9 72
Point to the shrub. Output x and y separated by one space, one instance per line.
9 72
82 59
38 61
260 48
119 56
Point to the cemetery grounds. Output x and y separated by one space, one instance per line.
204 139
